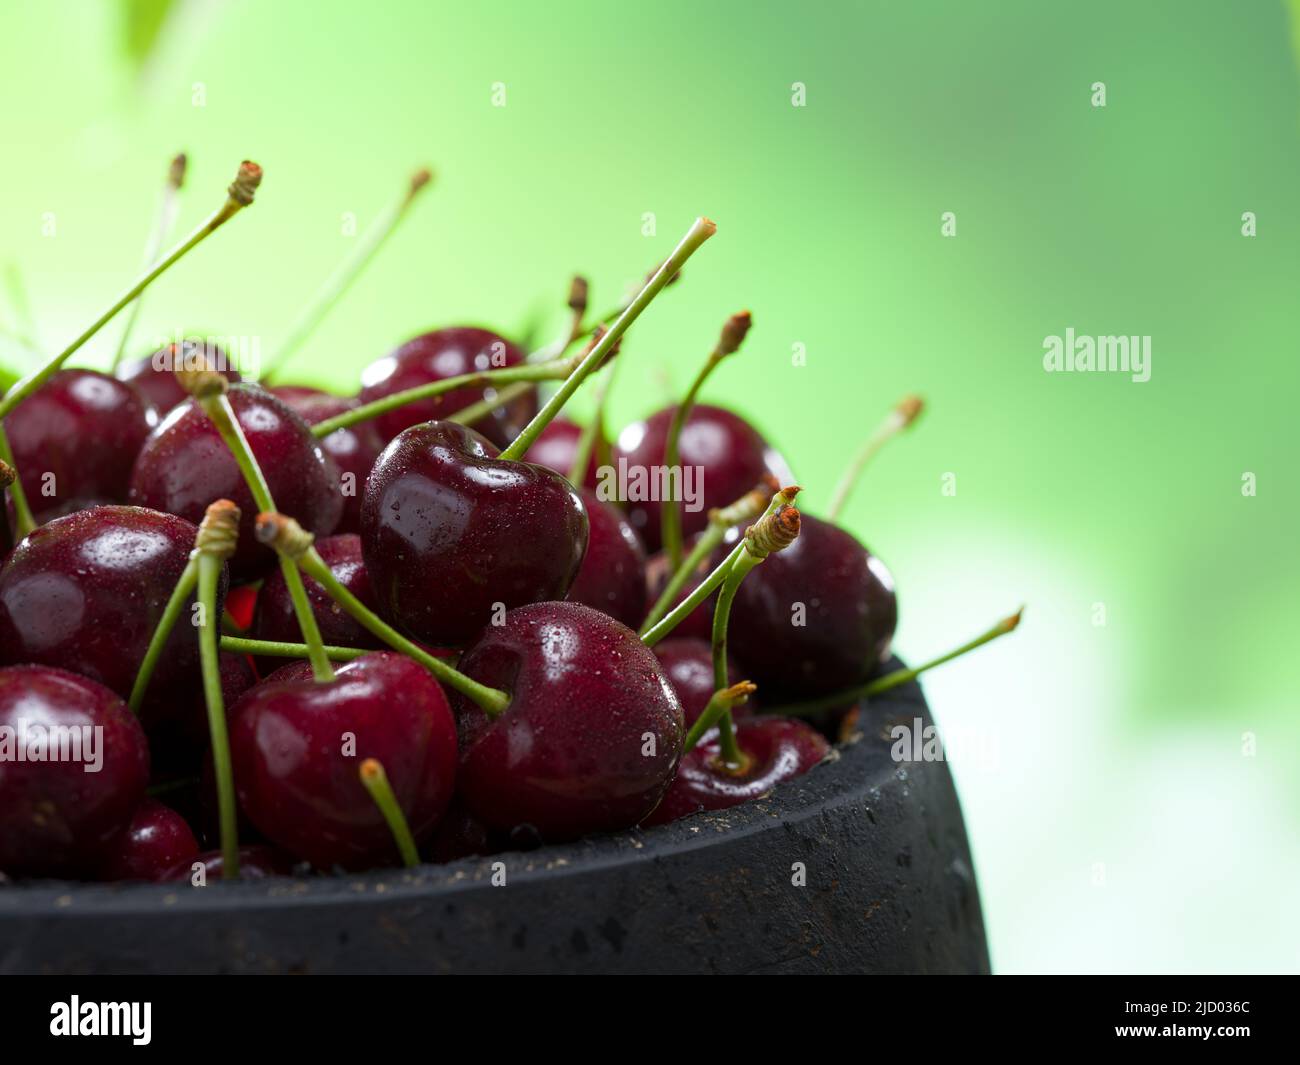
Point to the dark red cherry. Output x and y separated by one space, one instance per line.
85 593
156 840
688 664
612 575
177 721
75 440
815 618
592 733
154 377
729 453
297 746
779 749
449 531
459 835
255 863
437 356
353 450
185 465
277 621
698 624
73 768
556 447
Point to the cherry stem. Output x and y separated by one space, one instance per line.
239 196
699 232
279 649
346 273
897 678
577 303
22 510
7 477
721 703
478 411
163 221
732 336
660 621
376 782
548 371
593 434
181 592
899 418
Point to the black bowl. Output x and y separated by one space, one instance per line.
889 888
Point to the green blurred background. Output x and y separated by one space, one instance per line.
1116 823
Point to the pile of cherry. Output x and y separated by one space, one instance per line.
356 631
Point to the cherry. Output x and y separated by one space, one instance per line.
156 839
459 835
731 454
612 575
255 863
591 735
296 745
185 465
59 816
85 593
275 615
353 449
844 596
74 441
448 531
437 356
698 624
177 721
688 665
777 749
556 448
154 377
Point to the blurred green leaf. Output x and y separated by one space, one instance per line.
142 21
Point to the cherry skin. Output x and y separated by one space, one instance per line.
779 749
688 664
298 781
557 446
353 450
459 835
77 436
85 593
729 452
592 733
255 863
59 817
185 465
612 575
176 722
154 377
448 531
850 613
156 840
698 624
437 356
277 621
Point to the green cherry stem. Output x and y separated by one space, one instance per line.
162 227
749 507
577 303
773 532
721 703
22 510
214 544
899 418
375 781
181 592
239 196
346 273
477 411
289 538
732 336
699 232
898 677
7 477
278 649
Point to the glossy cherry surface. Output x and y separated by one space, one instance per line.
688 665
592 734
85 593
176 720
730 454
185 465
155 841
297 745
612 575
59 814
698 624
255 863
557 446
844 597
154 376
780 748
437 356
448 531
75 440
